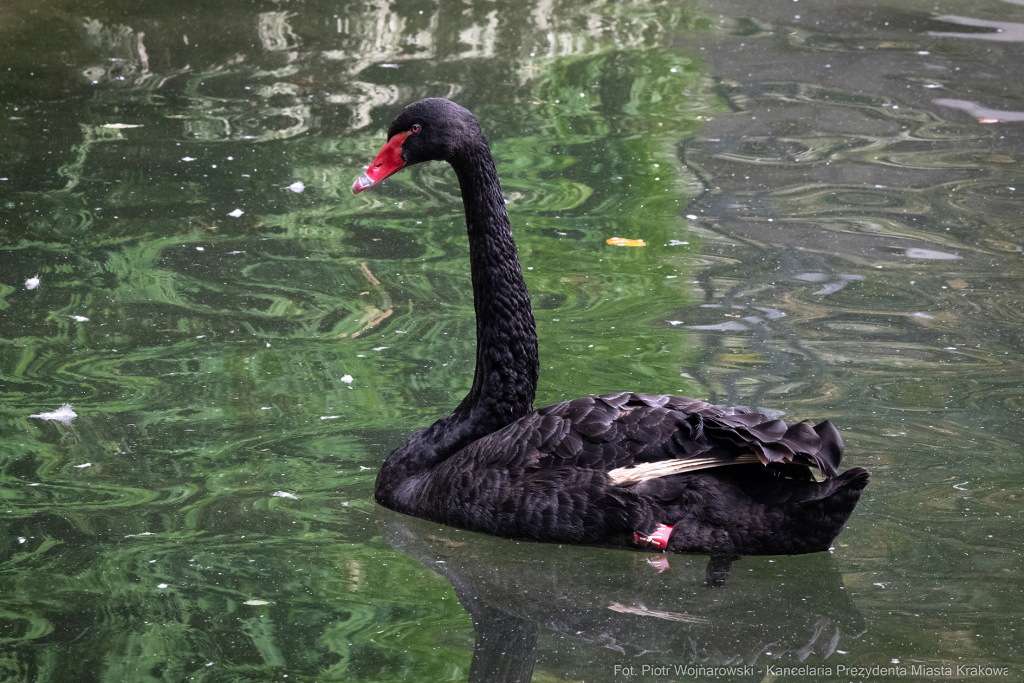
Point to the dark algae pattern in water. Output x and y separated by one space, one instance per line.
208 345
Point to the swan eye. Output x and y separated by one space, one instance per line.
416 128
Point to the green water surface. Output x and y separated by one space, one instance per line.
830 202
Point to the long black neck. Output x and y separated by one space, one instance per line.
506 340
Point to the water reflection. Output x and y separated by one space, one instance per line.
997 30
631 604
983 114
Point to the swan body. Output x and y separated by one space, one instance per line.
624 469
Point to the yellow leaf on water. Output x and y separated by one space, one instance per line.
623 242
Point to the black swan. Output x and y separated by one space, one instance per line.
627 469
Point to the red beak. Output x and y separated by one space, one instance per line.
388 162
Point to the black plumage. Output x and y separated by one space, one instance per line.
598 470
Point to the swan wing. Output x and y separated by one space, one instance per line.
634 437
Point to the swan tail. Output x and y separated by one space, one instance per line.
846 488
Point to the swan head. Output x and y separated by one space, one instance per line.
433 129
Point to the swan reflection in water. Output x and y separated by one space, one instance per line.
645 608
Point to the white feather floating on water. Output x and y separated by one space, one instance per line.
64 414
285 494
32 282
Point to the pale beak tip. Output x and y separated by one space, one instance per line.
361 183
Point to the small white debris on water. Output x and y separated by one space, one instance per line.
329 417
236 213
691 216
731 326
297 187
188 158
88 464
79 318
200 248
64 414
285 494
144 533
932 254
255 602
347 379
32 282
162 585
21 539
379 348
122 125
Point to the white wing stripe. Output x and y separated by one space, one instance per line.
652 470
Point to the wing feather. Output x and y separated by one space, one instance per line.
615 431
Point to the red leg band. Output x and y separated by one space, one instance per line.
658 539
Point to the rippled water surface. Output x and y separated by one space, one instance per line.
208 345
